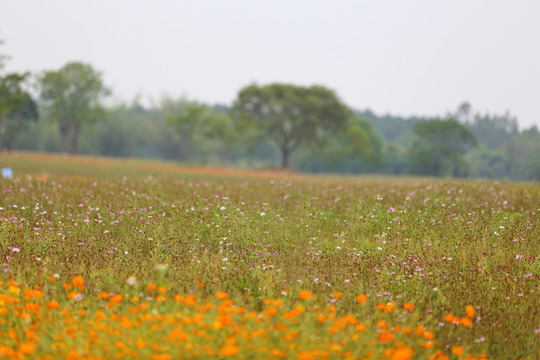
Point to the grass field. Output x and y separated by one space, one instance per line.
107 258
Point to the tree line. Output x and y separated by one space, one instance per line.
275 125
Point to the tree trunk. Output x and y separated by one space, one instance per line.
285 153
64 137
75 139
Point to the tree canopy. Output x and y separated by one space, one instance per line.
439 148
72 96
17 108
292 115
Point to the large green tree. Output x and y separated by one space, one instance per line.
292 115
17 108
72 97
440 147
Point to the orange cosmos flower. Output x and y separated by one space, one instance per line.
117 298
465 321
271 311
457 350
337 294
229 350
361 298
408 306
151 287
190 300
103 295
305 295
404 353
78 281
221 295
469 309
53 304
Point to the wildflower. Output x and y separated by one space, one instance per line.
53 304
271 311
405 353
229 350
131 280
337 294
221 295
78 281
465 322
116 298
457 350
151 287
190 300
361 298
408 306
390 307
305 295
469 310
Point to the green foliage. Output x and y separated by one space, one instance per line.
292 115
440 147
17 108
72 96
358 150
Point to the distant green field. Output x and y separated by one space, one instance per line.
111 258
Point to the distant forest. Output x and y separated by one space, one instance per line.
131 130
305 129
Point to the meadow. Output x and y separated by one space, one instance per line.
106 258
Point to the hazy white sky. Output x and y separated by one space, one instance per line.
420 57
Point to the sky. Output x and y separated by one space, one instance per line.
414 57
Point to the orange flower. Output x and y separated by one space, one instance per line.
221 295
381 324
151 287
190 300
469 309
6 351
229 350
305 295
390 307
337 294
78 281
103 295
408 306
67 286
457 350
117 298
451 318
53 304
271 311
162 289
361 298
465 321
404 353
